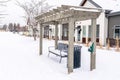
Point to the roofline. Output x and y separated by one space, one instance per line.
84 1
114 14
108 11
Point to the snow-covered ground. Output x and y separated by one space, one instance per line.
20 60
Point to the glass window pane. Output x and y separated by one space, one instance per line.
117 32
84 31
90 30
97 31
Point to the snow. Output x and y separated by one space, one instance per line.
20 60
89 10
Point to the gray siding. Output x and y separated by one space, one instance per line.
112 21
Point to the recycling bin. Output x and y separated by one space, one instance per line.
77 56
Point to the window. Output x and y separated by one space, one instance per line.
97 31
53 31
90 31
78 32
65 32
84 31
117 31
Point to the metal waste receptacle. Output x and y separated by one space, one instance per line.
77 56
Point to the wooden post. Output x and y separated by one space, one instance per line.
93 39
101 47
41 40
117 43
87 36
87 42
71 45
56 34
50 34
108 44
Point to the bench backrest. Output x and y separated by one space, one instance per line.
62 46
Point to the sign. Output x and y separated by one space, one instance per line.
91 48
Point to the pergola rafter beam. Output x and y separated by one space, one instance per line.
68 11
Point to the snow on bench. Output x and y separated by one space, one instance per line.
61 51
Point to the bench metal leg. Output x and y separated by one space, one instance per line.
60 59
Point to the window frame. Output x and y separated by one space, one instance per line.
114 36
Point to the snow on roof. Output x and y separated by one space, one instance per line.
85 9
109 4
106 4
114 13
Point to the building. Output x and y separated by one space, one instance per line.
83 28
101 27
113 27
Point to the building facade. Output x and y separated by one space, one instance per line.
82 31
113 27
101 27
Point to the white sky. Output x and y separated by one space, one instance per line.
15 13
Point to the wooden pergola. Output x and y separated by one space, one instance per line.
70 14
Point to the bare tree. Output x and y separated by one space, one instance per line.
10 27
4 27
32 9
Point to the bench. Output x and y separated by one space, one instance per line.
61 51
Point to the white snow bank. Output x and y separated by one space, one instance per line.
20 60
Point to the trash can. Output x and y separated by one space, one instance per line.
77 56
